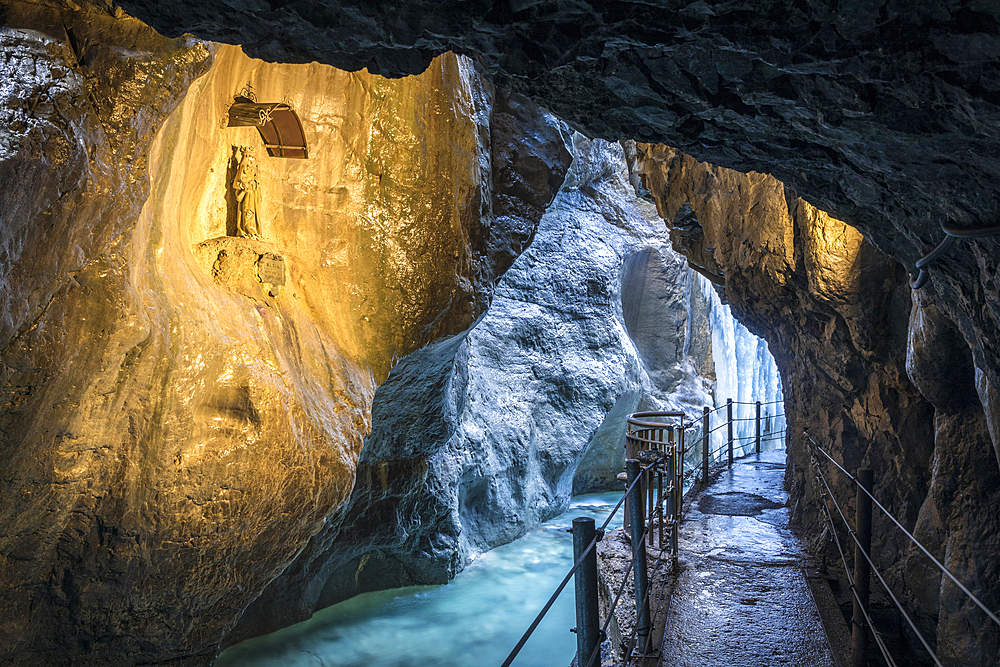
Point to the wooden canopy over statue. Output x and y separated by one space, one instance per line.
277 123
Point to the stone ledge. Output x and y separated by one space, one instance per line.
233 262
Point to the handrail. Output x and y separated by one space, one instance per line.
649 589
614 605
648 441
978 233
675 485
725 423
951 234
993 617
576 566
847 570
633 418
713 430
852 533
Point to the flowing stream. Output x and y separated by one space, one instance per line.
476 619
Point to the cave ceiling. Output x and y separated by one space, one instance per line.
121 363
884 113
868 109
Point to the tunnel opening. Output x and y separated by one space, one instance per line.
171 327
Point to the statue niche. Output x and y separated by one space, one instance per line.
246 188
241 261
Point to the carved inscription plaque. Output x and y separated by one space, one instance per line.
271 269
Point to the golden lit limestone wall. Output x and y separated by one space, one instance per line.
272 392
373 227
268 392
860 376
173 432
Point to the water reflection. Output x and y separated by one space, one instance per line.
476 619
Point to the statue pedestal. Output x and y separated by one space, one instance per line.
246 266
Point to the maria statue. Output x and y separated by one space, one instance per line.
247 195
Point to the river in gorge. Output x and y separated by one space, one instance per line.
475 619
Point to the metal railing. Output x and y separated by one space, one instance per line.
863 564
657 438
654 452
760 436
952 234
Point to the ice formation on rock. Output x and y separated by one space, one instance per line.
745 372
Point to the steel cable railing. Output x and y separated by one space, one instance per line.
618 594
744 442
614 605
648 430
633 638
643 437
864 552
576 566
853 534
718 451
847 570
725 423
993 617
713 430
951 235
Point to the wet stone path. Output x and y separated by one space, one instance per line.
741 598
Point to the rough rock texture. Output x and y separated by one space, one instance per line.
884 114
958 520
83 361
665 315
173 430
836 314
478 437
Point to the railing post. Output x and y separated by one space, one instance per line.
631 451
680 468
638 557
673 502
659 504
862 570
729 415
704 445
758 427
587 615
650 485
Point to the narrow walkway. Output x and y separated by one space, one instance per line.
741 599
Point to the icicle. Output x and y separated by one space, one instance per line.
746 372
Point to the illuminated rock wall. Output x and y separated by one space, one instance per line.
163 415
837 315
885 115
174 431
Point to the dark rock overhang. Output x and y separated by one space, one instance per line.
884 114
874 110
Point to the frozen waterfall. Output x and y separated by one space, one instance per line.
746 372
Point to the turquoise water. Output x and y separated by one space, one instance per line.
474 620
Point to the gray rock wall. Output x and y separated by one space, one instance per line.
477 438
